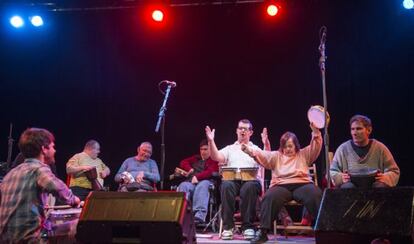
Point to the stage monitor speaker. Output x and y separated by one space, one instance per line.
364 215
136 217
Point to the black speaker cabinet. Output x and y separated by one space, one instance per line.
364 215
136 217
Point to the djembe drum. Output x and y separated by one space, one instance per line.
62 225
92 176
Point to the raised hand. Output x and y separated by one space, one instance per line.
314 128
210 133
265 139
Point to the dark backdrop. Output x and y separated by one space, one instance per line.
95 74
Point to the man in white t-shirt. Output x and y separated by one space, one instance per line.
249 191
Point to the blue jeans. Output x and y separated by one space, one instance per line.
198 195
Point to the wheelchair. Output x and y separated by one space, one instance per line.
213 214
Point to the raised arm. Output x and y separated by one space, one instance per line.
215 154
265 140
314 148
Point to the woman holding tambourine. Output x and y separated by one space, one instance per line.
290 177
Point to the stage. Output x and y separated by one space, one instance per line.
214 238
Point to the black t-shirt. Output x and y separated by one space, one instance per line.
361 151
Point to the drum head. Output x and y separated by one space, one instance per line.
316 115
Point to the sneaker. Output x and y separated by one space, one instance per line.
248 234
227 234
261 237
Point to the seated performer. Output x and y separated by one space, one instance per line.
24 189
290 178
363 155
200 169
138 173
81 164
249 191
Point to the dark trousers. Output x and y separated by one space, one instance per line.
308 194
249 192
80 192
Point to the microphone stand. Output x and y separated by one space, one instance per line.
161 119
322 60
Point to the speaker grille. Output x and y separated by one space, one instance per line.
133 206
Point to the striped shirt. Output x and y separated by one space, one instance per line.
23 193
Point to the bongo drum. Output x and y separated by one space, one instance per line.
244 174
228 173
316 115
247 174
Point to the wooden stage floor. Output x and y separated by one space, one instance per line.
213 238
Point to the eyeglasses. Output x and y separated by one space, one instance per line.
243 128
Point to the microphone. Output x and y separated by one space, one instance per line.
170 83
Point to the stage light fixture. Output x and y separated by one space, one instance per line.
16 21
272 9
36 20
157 15
408 4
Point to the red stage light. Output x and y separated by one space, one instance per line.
272 10
157 15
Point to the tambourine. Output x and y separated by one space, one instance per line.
316 115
